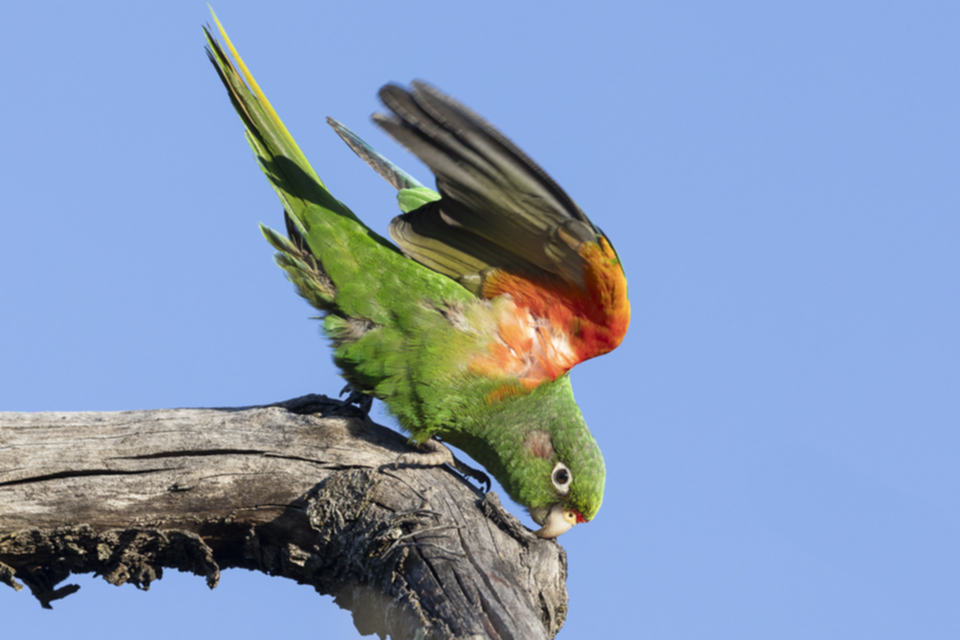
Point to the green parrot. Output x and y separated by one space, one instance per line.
466 331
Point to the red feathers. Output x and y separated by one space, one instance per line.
548 327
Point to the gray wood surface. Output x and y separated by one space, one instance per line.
305 489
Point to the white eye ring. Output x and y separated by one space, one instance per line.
561 478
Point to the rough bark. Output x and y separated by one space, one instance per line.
305 489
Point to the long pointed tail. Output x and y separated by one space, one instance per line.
286 167
328 246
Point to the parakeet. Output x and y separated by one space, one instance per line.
467 330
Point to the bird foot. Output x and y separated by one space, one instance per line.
434 454
358 398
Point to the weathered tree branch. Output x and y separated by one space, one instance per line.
304 489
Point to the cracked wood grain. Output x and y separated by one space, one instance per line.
304 489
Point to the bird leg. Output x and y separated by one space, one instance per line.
434 453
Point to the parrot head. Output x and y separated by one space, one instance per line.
571 500
568 478
540 449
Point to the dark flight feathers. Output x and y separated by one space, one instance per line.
498 209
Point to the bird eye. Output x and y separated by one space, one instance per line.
561 478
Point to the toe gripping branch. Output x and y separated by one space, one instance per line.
434 453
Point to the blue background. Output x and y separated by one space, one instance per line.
780 179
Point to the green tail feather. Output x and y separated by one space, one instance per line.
376 302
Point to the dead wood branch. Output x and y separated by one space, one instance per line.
304 489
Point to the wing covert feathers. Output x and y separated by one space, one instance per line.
503 226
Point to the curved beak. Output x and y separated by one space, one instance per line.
554 521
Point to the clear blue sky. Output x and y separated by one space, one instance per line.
782 181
